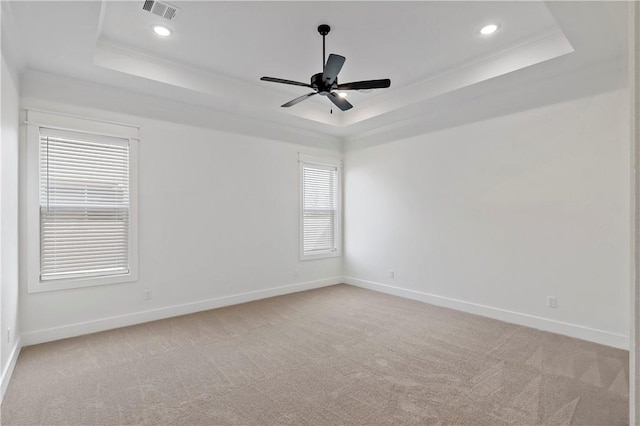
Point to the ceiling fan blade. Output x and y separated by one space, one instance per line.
363 85
280 80
332 68
341 103
298 99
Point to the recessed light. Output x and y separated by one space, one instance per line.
488 29
161 31
342 94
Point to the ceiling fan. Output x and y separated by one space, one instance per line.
326 82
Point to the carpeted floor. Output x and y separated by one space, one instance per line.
336 355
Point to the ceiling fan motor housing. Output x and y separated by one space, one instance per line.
318 83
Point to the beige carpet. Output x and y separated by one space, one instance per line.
337 355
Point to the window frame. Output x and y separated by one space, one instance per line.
36 119
325 161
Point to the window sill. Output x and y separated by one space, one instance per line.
323 255
39 286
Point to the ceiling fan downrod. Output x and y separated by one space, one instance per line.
324 30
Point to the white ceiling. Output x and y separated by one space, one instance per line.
219 50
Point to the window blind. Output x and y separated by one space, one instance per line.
84 205
320 204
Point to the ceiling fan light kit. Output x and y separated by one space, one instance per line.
325 83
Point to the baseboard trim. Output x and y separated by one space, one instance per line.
573 330
602 337
7 372
94 326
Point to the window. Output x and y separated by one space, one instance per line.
320 207
85 206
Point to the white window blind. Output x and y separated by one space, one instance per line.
84 205
320 208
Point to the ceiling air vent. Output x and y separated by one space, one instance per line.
160 8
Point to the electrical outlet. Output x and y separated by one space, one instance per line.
552 302
392 273
147 294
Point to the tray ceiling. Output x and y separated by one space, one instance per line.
218 50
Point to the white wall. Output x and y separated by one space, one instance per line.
489 217
494 216
218 217
634 78
8 222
